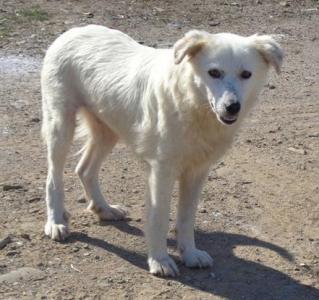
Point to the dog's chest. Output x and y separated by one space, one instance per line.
204 141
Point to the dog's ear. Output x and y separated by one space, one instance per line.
189 45
269 49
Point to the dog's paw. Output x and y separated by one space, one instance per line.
108 213
196 259
58 231
163 267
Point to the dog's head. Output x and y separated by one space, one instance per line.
231 69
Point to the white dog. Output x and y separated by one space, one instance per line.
178 109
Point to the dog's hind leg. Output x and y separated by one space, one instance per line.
101 141
58 131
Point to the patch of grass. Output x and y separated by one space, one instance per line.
4 28
34 13
10 21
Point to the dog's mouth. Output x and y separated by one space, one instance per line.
227 121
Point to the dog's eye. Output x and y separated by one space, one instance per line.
215 73
245 74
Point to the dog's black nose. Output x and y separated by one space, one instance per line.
233 108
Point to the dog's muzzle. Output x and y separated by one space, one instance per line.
230 112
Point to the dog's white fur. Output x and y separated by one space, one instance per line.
163 104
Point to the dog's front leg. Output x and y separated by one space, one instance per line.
191 183
161 183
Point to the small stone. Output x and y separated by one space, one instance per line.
309 282
35 120
176 24
9 187
12 253
19 244
34 199
203 210
89 14
34 211
76 249
86 254
296 150
271 86
138 220
159 9
304 265
284 4
213 23
313 134
81 200
212 275
22 274
4 242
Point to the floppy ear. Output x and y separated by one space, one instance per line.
189 45
269 49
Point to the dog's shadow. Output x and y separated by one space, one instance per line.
231 277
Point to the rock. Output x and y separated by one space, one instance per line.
299 151
313 134
75 249
176 24
35 120
9 187
4 242
34 199
309 10
81 200
304 265
89 14
159 9
284 4
203 210
213 23
22 274
13 253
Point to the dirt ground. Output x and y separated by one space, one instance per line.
259 214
